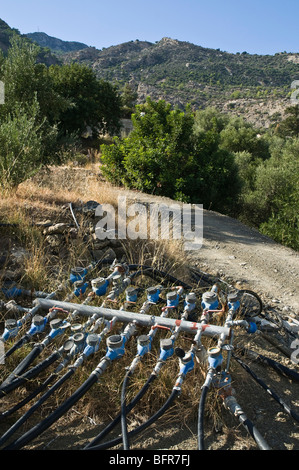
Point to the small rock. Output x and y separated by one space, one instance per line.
18 254
44 224
56 229
101 244
104 254
280 416
73 232
54 240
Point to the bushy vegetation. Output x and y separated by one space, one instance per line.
216 160
47 109
205 157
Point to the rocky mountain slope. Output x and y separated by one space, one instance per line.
256 87
6 34
54 44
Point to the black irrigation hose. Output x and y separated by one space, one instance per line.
256 296
20 369
151 420
37 404
156 272
25 339
124 426
253 431
274 395
200 423
53 417
203 276
30 374
277 366
27 399
18 377
117 419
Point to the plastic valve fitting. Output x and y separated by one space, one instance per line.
172 299
115 346
233 301
38 325
100 286
131 294
153 294
143 344
11 329
166 349
210 301
215 357
80 287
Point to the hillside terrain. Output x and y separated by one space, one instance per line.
6 33
256 87
48 227
54 44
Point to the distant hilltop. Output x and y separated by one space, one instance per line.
54 44
253 86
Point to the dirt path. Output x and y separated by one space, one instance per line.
236 251
251 258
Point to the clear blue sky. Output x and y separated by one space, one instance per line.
255 26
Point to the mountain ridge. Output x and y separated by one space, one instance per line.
54 44
256 87
250 85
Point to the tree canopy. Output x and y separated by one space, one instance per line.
43 105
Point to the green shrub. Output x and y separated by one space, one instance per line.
21 145
273 203
163 155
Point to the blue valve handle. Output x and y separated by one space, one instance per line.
78 274
188 365
115 352
80 289
37 327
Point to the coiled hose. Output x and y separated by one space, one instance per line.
201 276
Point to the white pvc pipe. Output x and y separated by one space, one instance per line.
139 318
